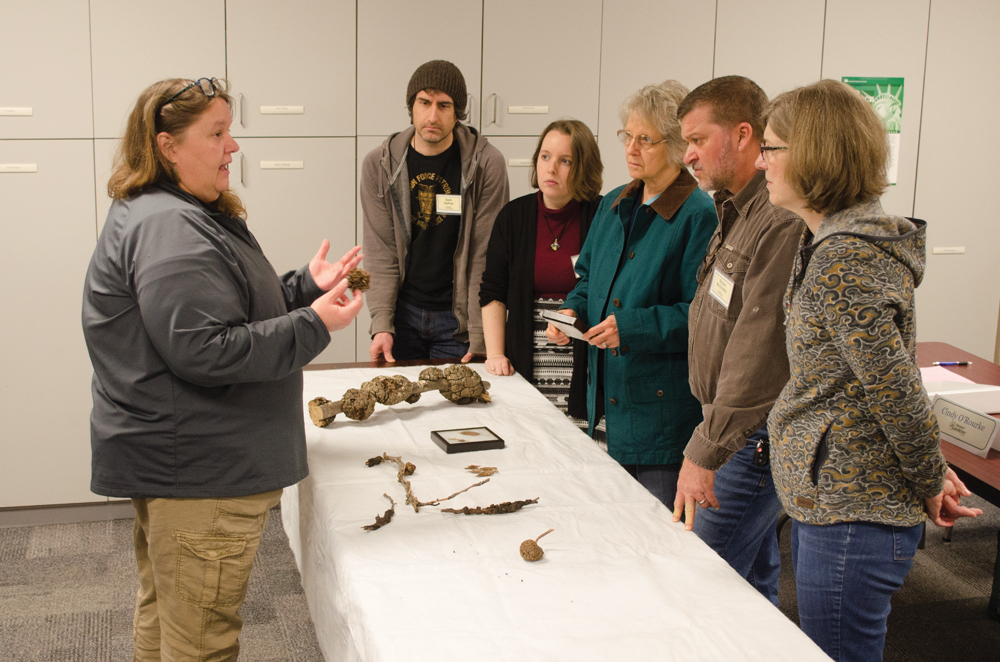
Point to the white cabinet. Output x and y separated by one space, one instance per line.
46 239
517 152
364 320
631 59
136 43
45 51
297 192
104 156
541 62
291 65
957 302
776 43
397 36
849 50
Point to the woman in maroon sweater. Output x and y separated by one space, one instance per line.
529 265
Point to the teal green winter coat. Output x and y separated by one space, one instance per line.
649 409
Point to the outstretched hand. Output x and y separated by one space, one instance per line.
328 274
336 309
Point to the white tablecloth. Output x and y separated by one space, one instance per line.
619 580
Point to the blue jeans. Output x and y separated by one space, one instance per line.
743 530
426 334
845 575
659 479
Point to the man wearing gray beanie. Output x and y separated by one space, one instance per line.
429 195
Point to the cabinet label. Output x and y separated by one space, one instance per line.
528 110
282 165
18 167
15 112
282 110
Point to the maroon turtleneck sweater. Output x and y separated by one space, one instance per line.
554 275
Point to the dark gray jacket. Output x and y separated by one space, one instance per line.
197 347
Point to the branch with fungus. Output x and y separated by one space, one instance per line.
493 509
382 520
458 383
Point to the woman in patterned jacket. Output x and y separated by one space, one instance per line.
856 458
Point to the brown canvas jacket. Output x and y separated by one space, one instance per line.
737 356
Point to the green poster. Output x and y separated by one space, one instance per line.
886 96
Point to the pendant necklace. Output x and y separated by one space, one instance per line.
555 240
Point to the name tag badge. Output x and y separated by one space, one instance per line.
573 259
721 288
449 204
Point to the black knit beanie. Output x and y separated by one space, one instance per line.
438 75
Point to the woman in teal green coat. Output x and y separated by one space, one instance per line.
638 274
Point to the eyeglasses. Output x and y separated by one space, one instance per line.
208 86
645 142
764 149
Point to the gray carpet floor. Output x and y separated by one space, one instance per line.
67 590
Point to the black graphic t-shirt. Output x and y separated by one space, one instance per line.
434 237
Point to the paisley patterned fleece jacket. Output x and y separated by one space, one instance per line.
853 437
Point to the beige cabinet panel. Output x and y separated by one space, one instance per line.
45 50
136 43
397 36
517 152
297 192
956 175
46 240
541 62
776 43
849 50
630 60
104 156
292 66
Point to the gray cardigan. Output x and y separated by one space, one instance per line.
197 347
385 200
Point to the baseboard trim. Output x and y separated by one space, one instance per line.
68 513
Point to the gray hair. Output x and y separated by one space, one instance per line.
657 105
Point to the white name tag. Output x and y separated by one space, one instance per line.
966 428
449 204
573 259
721 288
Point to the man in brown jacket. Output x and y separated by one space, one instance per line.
429 196
736 346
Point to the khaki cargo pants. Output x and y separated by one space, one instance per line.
194 558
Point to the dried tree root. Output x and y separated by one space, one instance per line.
458 383
359 279
382 520
494 509
481 472
407 469
530 551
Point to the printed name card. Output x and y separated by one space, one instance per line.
966 428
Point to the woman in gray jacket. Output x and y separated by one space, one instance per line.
197 346
855 446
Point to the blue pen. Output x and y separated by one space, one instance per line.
952 363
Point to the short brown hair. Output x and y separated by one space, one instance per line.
732 101
657 104
837 146
585 173
138 160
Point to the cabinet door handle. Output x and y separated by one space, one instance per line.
469 114
243 168
241 114
496 99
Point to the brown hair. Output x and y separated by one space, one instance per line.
732 100
139 162
837 147
585 172
657 104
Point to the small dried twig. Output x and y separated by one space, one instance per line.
407 469
493 509
481 472
382 520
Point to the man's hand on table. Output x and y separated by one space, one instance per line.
695 487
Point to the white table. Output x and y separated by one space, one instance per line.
619 580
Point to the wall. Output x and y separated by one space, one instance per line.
79 65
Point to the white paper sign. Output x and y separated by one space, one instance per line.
966 428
